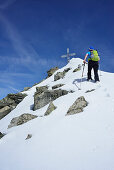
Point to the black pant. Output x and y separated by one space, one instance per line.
95 66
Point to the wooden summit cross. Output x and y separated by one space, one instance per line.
68 55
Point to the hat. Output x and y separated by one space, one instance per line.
91 48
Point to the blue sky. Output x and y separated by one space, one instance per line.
35 33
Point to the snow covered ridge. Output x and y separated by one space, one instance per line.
44 95
41 136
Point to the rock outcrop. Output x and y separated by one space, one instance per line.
41 89
52 71
88 91
4 111
40 100
77 69
57 86
60 75
28 136
66 70
11 99
21 119
9 103
78 106
50 108
1 135
2 105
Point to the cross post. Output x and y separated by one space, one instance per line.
68 55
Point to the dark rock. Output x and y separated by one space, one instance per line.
2 105
60 75
21 119
13 98
52 71
57 86
50 108
90 90
17 98
41 89
46 97
71 91
4 111
9 103
77 69
66 70
28 136
1 135
78 106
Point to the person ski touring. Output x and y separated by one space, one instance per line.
93 63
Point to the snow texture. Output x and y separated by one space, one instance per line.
83 141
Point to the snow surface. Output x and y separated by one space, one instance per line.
83 141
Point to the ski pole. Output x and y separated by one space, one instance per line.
83 70
82 74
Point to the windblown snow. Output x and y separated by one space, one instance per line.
83 141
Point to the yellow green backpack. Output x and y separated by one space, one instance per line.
94 55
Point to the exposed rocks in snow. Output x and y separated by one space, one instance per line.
57 86
13 98
1 135
2 105
71 91
9 103
66 70
46 97
61 75
58 76
78 106
50 108
26 88
4 111
21 119
52 71
28 136
77 69
41 89
90 90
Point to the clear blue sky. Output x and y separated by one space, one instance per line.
35 33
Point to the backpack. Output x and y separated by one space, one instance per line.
94 55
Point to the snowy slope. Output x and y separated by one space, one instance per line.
83 141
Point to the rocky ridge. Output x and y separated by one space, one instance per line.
47 96
9 103
52 71
42 97
61 75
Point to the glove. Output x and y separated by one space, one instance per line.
84 61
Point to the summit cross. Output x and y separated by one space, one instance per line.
68 55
